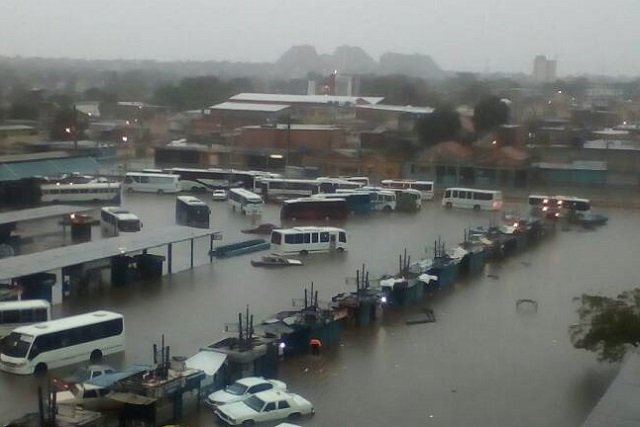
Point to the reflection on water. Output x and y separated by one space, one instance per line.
483 362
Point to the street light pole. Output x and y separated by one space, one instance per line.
287 160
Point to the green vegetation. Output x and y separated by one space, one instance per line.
608 326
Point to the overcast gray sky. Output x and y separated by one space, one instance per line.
586 36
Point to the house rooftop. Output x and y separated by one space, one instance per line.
306 99
409 109
247 106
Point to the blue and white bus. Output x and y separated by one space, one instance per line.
245 201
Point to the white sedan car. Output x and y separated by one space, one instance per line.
265 406
242 389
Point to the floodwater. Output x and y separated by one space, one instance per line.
481 363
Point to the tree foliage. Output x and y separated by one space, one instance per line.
490 113
200 92
608 326
64 125
441 125
400 90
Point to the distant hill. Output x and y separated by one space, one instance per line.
301 60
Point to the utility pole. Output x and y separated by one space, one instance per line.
75 128
286 163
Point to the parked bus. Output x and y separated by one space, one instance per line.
312 209
205 180
557 206
408 200
331 185
151 183
306 240
381 199
192 212
284 187
357 202
245 201
424 187
63 192
21 313
62 342
115 220
472 198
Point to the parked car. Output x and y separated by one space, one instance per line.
82 375
242 389
219 195
88 397
269 405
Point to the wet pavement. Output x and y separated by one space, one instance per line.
483 362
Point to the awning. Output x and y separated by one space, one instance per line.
108 380
207 361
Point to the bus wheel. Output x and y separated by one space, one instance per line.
340 250
476 208
96 356
304 253
160 192
129 190
387 208
40 369
448 205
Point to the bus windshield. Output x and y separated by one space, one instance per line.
16 345
129 225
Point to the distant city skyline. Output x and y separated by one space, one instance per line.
460 35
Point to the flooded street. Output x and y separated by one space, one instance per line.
481 363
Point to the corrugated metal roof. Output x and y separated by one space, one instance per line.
619 405
295 127
306 99
52 259
25 169
40 213
247 106
399 108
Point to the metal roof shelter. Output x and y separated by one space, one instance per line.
40 213
247 106
24 265
619 405
22 166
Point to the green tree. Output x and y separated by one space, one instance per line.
64 125
608 326
490 113
441 125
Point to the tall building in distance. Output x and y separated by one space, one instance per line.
544 70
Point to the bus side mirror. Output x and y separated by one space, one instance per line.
141 225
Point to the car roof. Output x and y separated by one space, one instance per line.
272 395
249 381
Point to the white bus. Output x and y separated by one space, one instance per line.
203 180
245 201
381 199
115 220
151 183
62 192
424 187
305 240
20 313
62 342
472 198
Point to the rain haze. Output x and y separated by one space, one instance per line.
460 35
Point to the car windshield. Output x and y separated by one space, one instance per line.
237 389
254 403
16 345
